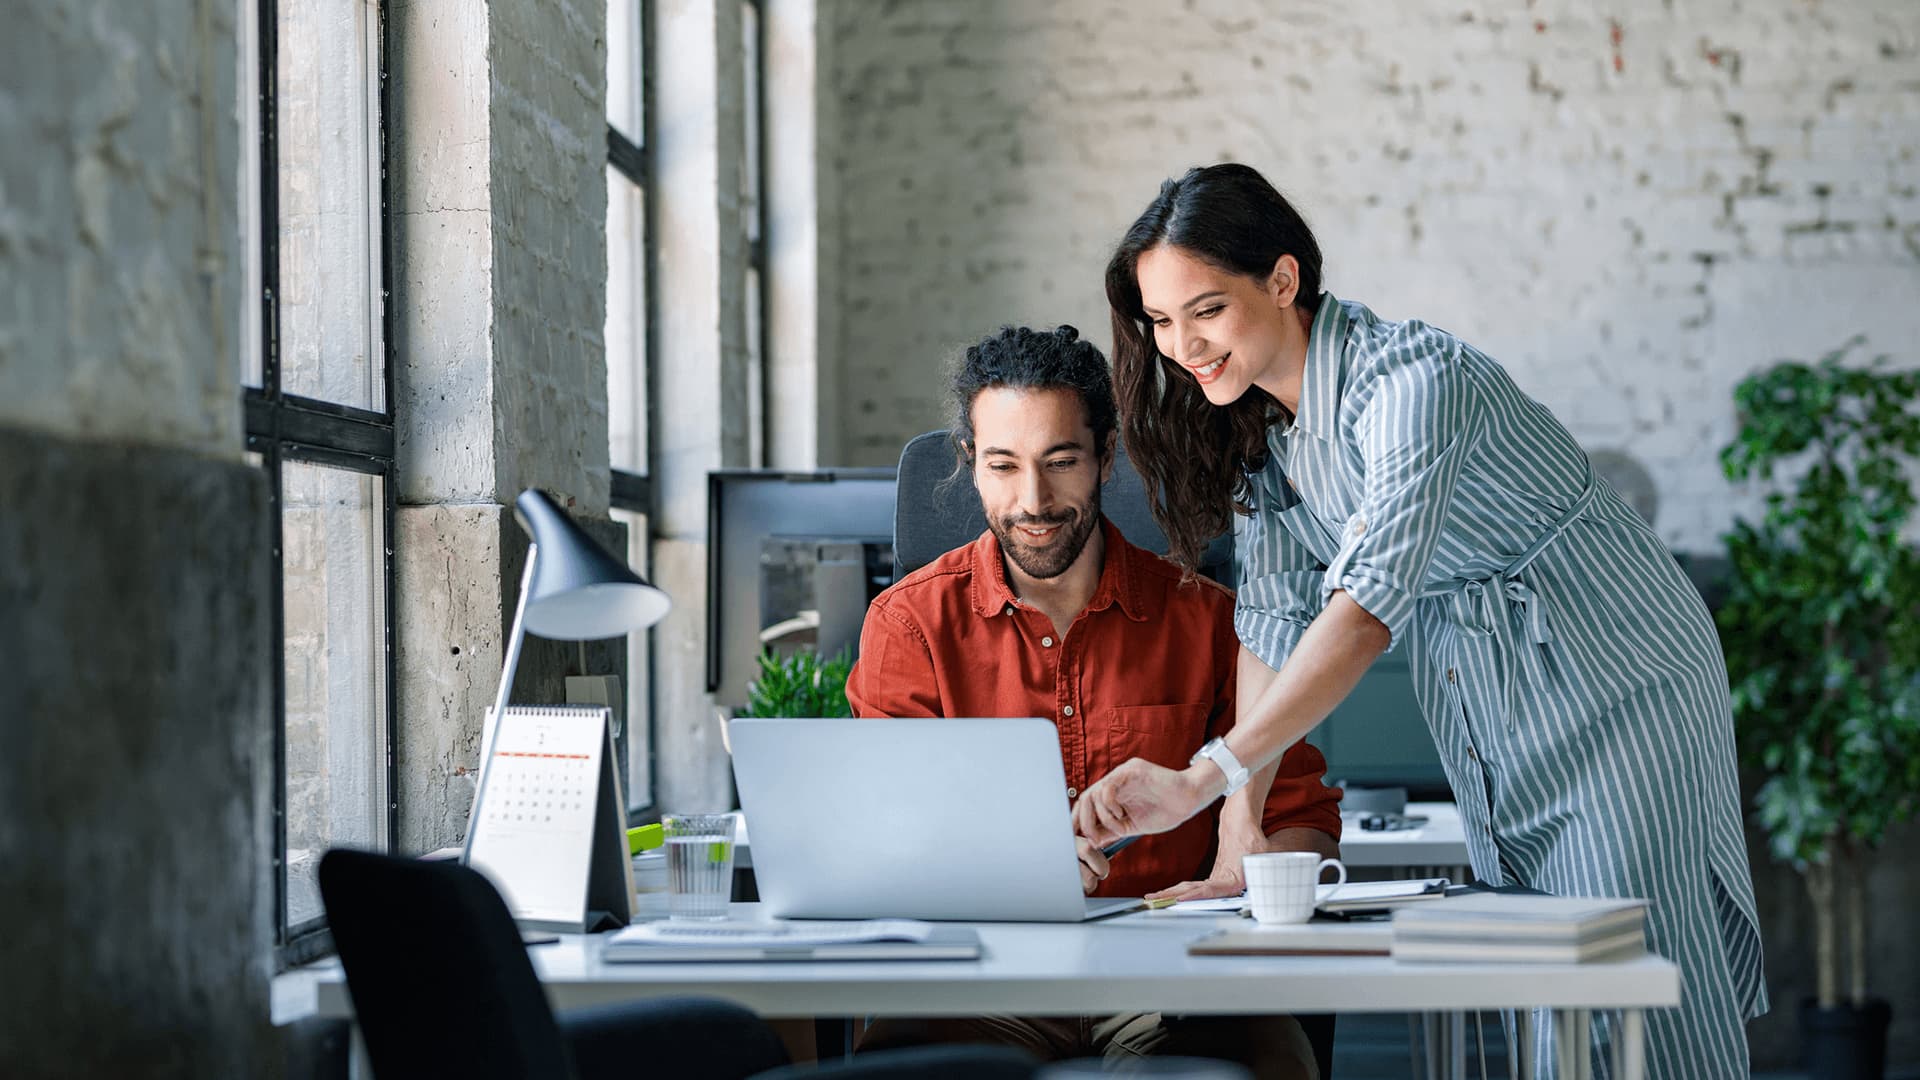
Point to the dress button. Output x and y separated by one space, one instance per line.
1068 710
1046 642
1071 792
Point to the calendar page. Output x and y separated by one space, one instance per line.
534 835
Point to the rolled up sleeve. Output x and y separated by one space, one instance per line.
1279 591
1417 428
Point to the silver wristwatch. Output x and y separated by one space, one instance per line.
1216 751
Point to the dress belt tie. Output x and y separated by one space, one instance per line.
1519 600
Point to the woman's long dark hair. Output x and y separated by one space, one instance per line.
1194 456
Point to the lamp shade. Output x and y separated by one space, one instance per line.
579 592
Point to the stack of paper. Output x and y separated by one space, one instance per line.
1379 895
1504 928
876 939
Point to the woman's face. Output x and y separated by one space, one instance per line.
1227 331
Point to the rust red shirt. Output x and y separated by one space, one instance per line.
1147 670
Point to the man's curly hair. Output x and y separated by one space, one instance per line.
1027 359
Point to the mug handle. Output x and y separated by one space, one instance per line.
1338 882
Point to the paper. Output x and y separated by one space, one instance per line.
794 933
1219 905
1359 892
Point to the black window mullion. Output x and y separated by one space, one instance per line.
285 428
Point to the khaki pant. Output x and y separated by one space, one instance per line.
1270 1046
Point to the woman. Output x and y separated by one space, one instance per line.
1399 491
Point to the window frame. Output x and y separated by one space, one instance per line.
629 491
282 427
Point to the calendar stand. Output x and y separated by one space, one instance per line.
553 835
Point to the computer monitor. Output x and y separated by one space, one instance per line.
781 543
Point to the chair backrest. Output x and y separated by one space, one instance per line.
440 981
932 517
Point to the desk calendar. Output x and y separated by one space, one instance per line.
552 833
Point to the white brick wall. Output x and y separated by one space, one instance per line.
1631 207
119 247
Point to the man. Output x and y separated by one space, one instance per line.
1051 612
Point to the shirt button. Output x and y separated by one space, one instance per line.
1009 610
1072 792
1471 755
1068 710
1046 642
1359 527
1450 677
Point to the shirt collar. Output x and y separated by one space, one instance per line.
1119 584
1326 364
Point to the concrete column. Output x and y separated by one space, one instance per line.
803 357
699 363
499 157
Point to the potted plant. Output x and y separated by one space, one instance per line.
800 684
1822 636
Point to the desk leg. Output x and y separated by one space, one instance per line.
1630 1048
1573 1040
1457 1046
359 1065
1520 1044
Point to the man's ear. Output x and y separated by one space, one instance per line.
1283 284
1107 456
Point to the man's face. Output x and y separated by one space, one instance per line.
1039 475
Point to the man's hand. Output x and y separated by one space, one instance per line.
1228 877
1093 865
1140 798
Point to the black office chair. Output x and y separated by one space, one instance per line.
442 986
932 517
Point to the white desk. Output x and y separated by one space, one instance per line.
1133 963
1440 844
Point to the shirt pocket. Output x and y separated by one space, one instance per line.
1163 734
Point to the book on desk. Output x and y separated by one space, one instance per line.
1492 927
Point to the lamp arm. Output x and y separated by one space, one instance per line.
492 730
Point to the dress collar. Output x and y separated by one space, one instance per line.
1326 367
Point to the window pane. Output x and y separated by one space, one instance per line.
639 731
626 323
624 60
335 624
329 202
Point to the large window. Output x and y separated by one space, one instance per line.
629 372
319 421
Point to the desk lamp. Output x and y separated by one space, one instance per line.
572 591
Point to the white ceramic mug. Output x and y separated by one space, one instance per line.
1281 884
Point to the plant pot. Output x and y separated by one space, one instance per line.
1846 1042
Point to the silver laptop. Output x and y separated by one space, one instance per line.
926 819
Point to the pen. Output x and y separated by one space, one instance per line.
1117 846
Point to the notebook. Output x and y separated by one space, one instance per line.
795 940
1312 938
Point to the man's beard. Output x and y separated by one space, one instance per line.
1077 525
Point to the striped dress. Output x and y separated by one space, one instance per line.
1567 668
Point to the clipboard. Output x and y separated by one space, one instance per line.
552 836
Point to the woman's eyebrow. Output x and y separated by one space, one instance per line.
1188 306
